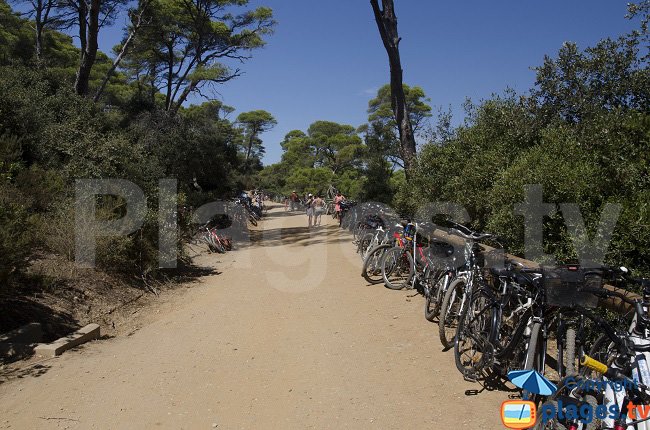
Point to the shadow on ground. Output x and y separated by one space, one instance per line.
297 236
34 371
16 311
191 273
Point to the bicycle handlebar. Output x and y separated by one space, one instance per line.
468 233
615 374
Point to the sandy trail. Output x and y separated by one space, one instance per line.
288 336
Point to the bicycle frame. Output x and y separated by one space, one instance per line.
640 374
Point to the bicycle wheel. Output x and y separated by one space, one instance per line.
533 349
535 355
358 232
397 268
452 305
569 356
434 285
472 347
371 270
511 320
554 422
207 239
363 246
221 249
512 349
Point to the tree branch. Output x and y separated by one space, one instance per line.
118 59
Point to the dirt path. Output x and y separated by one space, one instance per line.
288 336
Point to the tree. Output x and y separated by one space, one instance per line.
582 134
335 146
309 180
185 42
377 170
47 14
293 134
387 24
15 37
89 16
328 154
384 125
298 151
579 84
253 124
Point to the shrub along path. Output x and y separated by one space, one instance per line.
287 336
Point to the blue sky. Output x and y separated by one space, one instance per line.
326 60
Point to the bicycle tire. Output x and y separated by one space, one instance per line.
432 300
364 244
371 270
531 352
535 352
473 331
555 423
511 349
207 238
357 233
397 268
219 245
450 312
570 352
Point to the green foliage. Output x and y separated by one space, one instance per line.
16 44
17 217
253 124
377 171
313 180
382 119
583 134
49 137
186 46
380 110
328 154
334 146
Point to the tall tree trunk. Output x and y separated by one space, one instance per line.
39 30
387 25
136 26
170 76
176 105
89 39
153 90
250 144
82 15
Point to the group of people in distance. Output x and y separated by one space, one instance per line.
314 205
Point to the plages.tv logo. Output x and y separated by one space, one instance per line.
518 414
522 414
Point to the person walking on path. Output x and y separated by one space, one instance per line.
310 209
337 202
319 208
294 200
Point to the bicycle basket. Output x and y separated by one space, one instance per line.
564 286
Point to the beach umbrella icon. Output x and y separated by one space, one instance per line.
532 381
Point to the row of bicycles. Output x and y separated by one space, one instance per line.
582 327
237 215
